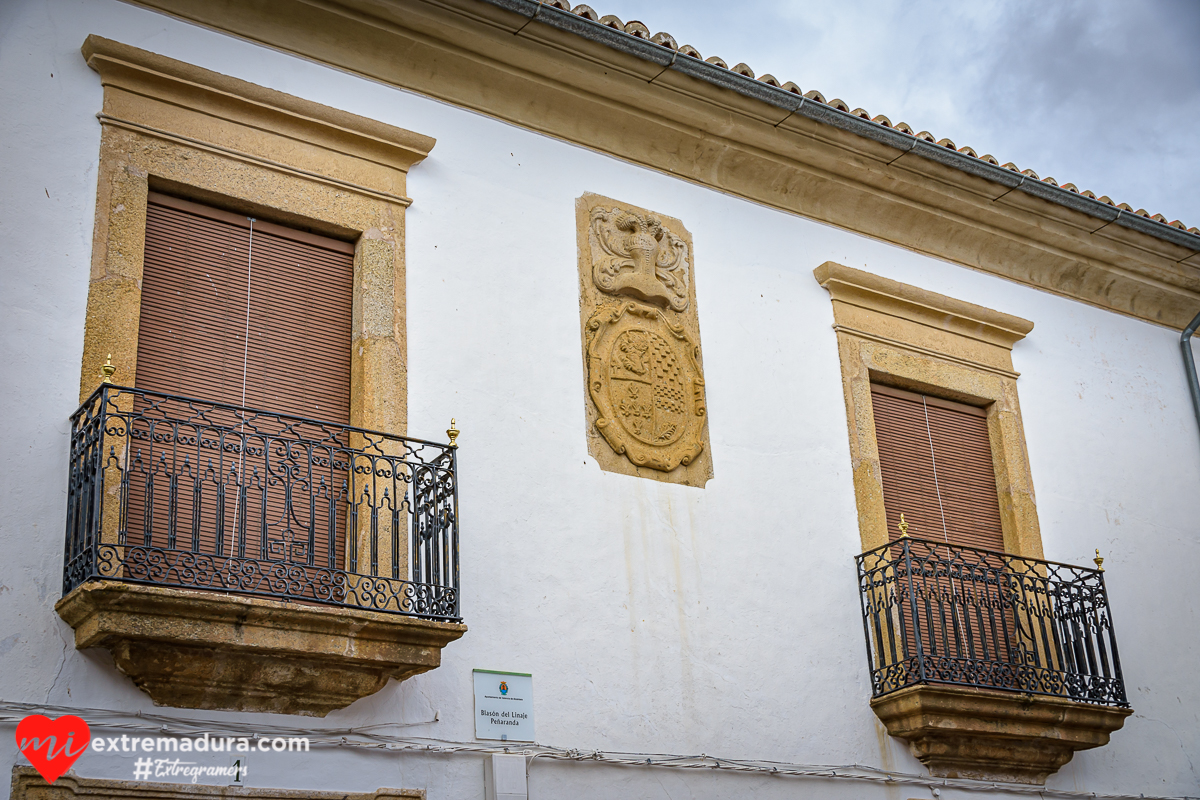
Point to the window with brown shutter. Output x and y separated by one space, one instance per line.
935 457
936 462
245 313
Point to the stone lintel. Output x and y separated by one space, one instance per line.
191 101
201 649
962 732
874 305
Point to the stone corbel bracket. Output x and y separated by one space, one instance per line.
989 735
191 649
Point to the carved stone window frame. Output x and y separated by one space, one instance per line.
892 333
27 784
174 127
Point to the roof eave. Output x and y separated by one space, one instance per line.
828 115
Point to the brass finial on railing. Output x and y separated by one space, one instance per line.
452 432
903 526
107 371
1099 561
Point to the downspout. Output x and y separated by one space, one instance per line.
1189 364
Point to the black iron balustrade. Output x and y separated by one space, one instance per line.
184 493
937 613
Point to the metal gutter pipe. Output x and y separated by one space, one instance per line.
1189 364
667 58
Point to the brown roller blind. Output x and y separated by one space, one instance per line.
936 462
204 271
250 314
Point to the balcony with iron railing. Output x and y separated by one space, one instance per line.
991 665
231 557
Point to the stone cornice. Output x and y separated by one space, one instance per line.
548 79
789 98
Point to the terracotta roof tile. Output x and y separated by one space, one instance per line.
587 12
638 29
665 39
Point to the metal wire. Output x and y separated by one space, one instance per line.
370 738
933 456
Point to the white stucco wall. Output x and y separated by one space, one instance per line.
654 618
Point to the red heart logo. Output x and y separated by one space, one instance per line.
50 744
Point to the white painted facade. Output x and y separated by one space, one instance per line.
655 618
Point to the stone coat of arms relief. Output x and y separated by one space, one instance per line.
646 412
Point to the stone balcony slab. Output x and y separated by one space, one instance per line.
211 650
963 732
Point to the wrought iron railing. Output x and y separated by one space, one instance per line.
936 613
183 493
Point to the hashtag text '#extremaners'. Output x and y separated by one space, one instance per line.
145 768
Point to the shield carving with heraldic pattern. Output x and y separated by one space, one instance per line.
645 381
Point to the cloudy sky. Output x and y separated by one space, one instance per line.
1104 94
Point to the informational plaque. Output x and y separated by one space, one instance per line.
503 705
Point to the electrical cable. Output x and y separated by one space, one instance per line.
368 737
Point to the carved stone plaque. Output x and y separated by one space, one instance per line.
646 414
